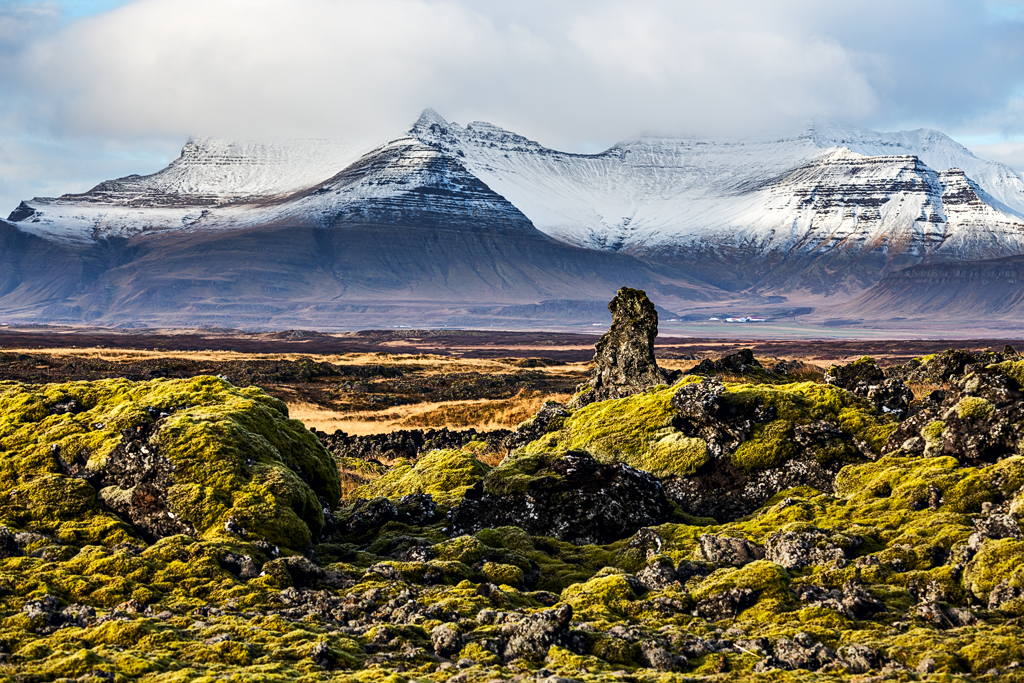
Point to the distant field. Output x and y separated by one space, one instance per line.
375 382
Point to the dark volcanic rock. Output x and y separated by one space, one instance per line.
948 365
534 634
796 550
739 363
703 413
866 379
624 356
725 550
978 420
47 616
366 515
406 443
803 652
721 490
8 544
446 640
137 478
853 601
573 498
548 418
726 605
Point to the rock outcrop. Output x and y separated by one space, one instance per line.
864 378
624 356
149 460
568 496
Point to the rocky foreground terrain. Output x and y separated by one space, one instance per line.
656 527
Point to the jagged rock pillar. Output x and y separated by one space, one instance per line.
624 356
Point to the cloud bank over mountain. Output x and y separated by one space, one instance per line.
573 75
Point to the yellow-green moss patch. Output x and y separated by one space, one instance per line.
444 474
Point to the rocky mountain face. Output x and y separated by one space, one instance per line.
821 213
450 222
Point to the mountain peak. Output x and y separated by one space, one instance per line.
428 120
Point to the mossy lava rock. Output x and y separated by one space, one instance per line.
108 461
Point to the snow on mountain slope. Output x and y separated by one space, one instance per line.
224 170
935 149
768 206
830 186
210 174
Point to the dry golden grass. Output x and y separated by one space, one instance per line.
676 364
427 363
492 458
922 389
479 414
122 355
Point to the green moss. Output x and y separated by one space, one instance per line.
619 430
479 654
517 471
638 431
464 549
767 579
444 474
603 597
677 454
769 445
973 407
568 663
502 574
234 453
617 651
1014 369
805 402
998 560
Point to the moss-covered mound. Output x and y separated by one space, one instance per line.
722 449
644 431
111 461
444 474
908 567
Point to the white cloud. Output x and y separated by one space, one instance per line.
1009 153
256 67
575 74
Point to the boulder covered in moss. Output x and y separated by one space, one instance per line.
764 439
939 368
624 357
977 420
445 475
721 449
569 496
114 460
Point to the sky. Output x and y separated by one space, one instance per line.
97 89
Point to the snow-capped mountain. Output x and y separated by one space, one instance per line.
833 191
478 213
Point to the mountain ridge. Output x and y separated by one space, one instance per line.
479 215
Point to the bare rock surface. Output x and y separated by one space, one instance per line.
624 356
573 498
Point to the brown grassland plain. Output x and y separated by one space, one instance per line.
385 381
